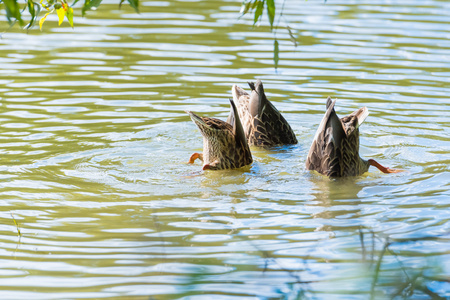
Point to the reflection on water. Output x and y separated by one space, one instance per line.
94 142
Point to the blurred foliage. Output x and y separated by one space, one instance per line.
257 8
381 267
26 13
391 268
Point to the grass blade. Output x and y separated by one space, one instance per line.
276 51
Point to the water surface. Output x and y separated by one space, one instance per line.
95 140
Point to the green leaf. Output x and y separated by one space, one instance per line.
134 4
13 11
271 12
69 15
258 11
34 9
74 2
31 9
89 4
276 50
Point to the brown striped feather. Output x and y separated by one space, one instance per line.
224 145
263 124
335 149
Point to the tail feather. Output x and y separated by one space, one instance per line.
251 85
238 130
361 114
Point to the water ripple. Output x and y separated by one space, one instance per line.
95 140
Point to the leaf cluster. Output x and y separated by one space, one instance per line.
15 10
257 6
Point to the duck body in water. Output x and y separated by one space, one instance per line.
263 124
224 144
335 149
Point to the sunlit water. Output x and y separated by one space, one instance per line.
95 140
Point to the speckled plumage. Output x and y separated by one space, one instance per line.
224 145
263 124
335 149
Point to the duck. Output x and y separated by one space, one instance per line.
263 124
224 144
335 149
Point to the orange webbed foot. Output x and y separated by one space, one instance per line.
382 168
194 157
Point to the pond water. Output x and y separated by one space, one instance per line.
94 141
